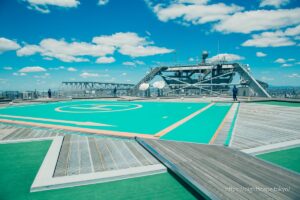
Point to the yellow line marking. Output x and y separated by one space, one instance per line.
84 130
57 120
182 121
212 140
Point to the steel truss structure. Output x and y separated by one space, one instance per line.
205 78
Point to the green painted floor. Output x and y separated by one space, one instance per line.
20 163
289 158
201 128
149 119
280 103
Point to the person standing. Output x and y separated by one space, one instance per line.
115 92
234 93
49 93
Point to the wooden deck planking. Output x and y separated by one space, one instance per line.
260 124
81 154
218 168
226 125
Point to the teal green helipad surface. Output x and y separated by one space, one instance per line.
20 163
144 118
288 158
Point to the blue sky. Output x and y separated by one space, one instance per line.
45 42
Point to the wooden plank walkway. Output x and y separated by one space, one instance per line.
11 132
82 155
261 124
224 173
225 127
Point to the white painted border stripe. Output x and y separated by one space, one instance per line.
47 168
49 183
26 140
272 147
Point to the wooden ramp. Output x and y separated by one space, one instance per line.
218 172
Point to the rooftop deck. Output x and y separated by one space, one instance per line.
224 173
261 124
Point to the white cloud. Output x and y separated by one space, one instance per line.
32 69
121 39
192 11
260 54
225 57
46 75
295 75
138 62
131 44
124 74
286 65
28 50
265 78
126 43
259 20
291 59
87 75
72 69
274 39
191 59
269 39
274 3
133 63
102 2
57 68
140 51
8 45
19 74
7 68
128 63
280 60
102 60
64 51
42 5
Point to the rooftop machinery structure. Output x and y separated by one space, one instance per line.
205 78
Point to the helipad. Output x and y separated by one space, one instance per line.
183 121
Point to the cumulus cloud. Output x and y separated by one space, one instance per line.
8 45
102 2
46 75
225 57
260 54
140 51
104 59
43 5
88 75
64 51
286 65
32 69
133 63
266 78
274 39
72 69
19 74
7 68
273 3
193 11
125 43
128 63
259 20
280 60
294 75
284 61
